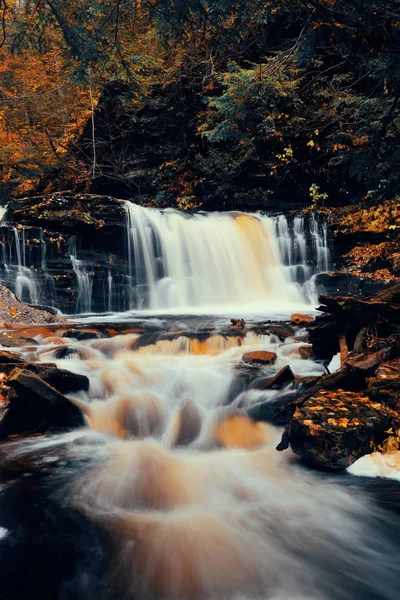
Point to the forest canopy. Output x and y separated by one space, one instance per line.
249 97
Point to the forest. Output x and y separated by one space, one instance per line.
201 103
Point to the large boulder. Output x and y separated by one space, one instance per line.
33 406
332 429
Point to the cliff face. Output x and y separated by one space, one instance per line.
51 243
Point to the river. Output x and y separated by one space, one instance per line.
170 491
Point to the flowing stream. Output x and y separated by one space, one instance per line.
171 491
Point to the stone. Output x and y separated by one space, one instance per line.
306 351
259 357
285 375
386 390
84 334
299 319
34 406
62 380
13 311
10 357
237 323
281 331
332 429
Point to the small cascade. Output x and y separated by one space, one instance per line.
84 279
3 210
25 284
304 249
220 259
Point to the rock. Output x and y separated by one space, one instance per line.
386 391
281 331
237 323
33 406
306 351
13 311
333 429
285 375
10 357
62 380
259 357
299 319
84 334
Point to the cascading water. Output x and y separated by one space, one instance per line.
220 259
84 279
172 261
194 500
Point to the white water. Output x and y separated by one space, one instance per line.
203 263
3 210
84 279
193 495
183 262
25 285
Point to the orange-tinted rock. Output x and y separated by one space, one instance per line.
259 357
299 319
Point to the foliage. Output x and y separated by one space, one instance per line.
276 95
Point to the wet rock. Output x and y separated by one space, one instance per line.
32 405
259 357
243 377
13 311
299 319
333 429
62 380
10 357
285 375
281 331
306 351
85 334
237 323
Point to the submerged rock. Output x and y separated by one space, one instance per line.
332 429
33 406
260 357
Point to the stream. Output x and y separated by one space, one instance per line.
171 491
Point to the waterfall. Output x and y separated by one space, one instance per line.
3 210
25 286
84 279
221 259
171 261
